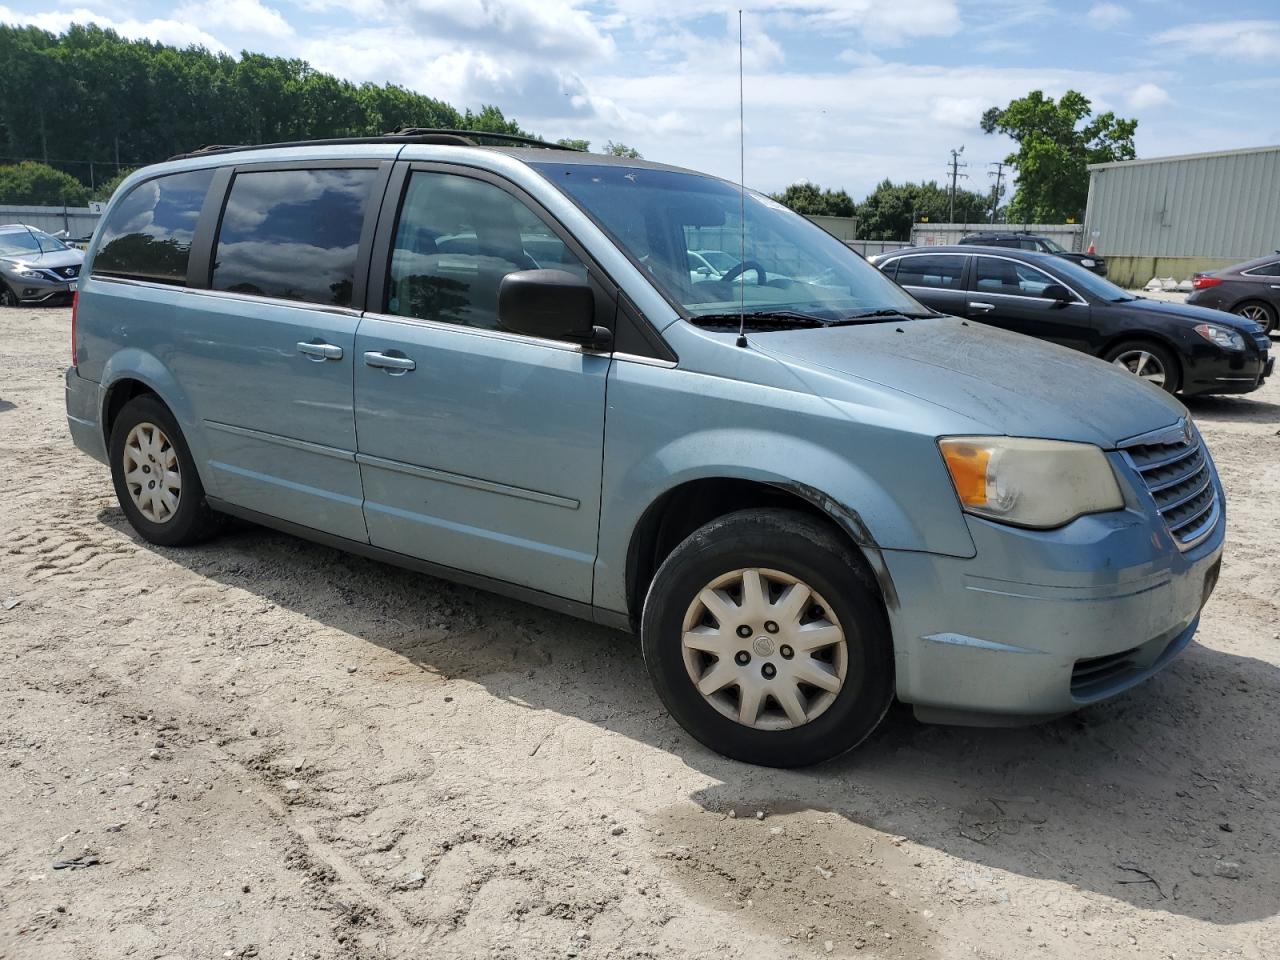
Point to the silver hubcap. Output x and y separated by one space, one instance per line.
764 649
1142 365
151 472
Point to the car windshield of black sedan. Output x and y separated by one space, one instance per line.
1080 278
781 269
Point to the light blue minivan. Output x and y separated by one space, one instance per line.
501 365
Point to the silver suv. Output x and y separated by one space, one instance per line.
36 267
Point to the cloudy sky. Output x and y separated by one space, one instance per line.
840 92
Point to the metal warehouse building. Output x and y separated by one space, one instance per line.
1172 216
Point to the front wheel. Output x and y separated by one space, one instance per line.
7 297
766 639
1148 361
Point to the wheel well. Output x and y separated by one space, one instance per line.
1146 337
121 392
679 512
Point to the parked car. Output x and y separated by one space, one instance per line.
1182 349
1251 289
1034 242
850 498
36 267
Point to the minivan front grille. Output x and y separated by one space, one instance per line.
1176 472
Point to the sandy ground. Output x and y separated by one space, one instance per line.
277 750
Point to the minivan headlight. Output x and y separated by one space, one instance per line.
1028 482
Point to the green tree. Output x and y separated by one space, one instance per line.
574 144
812 200
1056 143
888 211
621 150
106 189
38 183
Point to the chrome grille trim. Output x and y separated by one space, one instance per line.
1174 467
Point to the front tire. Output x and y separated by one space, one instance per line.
1148 361
155 476
766 639
7 297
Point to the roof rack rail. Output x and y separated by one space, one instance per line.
461 138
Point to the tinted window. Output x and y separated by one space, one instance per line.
456 239
293 234
889 269
1005 276
1266 270
938 271
148 235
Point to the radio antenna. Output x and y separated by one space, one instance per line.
742 200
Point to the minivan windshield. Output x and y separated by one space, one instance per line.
687 231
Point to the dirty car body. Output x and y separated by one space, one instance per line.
570 471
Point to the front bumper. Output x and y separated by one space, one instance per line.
1040 623
1215 370
41 291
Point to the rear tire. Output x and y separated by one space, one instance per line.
1258 312
807 610
1148 361
155 476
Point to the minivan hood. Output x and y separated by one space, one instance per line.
1009 383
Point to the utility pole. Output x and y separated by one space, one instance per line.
995 193
955 175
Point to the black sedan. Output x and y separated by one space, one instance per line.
1251 289
1182 349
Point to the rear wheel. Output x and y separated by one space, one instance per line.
1148 361
766 639
1259 312
155 477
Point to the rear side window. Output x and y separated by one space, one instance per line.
148 235
938 271
293 234
1266 270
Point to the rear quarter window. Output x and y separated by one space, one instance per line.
293 234
148 234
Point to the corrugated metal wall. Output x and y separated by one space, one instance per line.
1217 205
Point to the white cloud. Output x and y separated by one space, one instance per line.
1147 95
238 16
161 30
1107 15
1227 39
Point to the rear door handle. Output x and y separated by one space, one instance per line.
982 307
403 364
320 351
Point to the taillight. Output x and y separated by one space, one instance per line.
1204 283
75 302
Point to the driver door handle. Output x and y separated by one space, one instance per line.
386 362
981 307
320 351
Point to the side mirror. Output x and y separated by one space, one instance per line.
1057 293
550 303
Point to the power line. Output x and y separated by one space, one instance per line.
955 166
995 192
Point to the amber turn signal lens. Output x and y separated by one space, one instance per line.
967 463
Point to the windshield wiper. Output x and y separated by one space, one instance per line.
871 315
757 318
